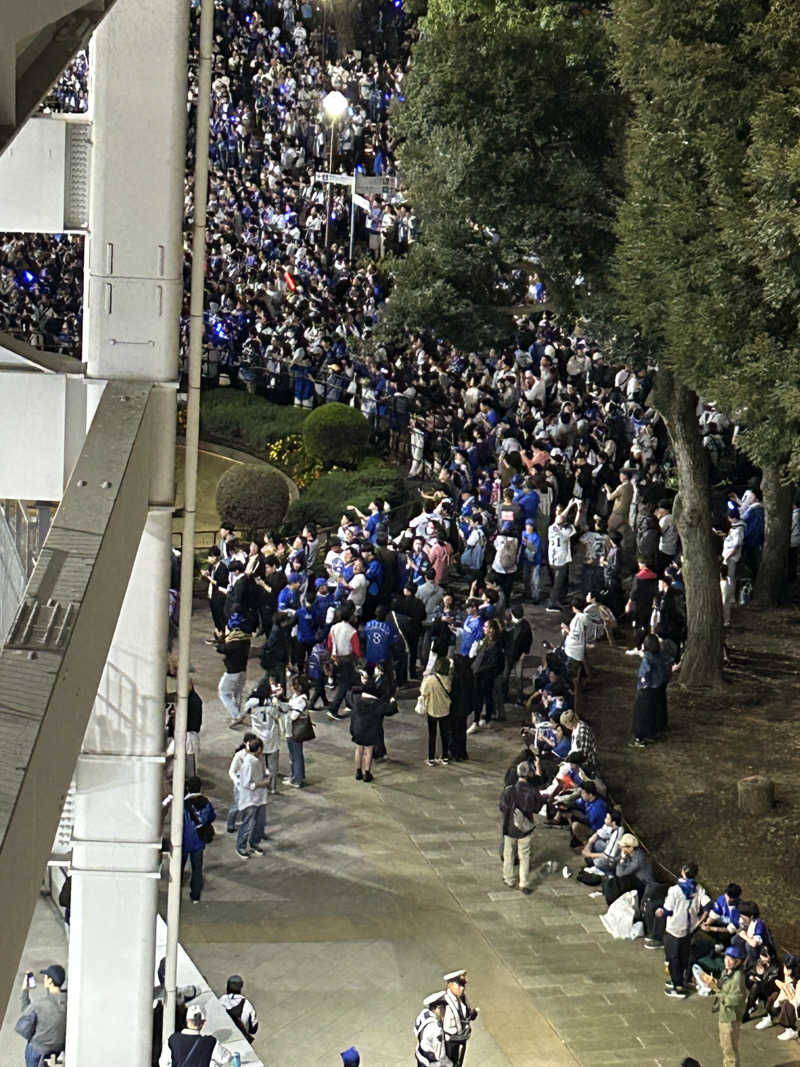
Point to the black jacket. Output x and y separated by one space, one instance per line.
521 795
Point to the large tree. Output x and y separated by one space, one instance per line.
681 64
507 150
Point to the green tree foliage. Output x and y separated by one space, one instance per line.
336 434
252 497
509 126
708 258
324 500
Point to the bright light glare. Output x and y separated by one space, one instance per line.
334 105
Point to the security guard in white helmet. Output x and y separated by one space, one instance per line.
458 1016
430 1035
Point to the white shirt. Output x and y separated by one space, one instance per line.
358 590
248 1018
559 549
251 793
456 1024
732 545
575 641
685 913
265 719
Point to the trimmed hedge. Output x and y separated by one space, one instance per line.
325 499
336 434
247 419
253 498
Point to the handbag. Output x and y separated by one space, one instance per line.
521 822
205 830
303 729
419 707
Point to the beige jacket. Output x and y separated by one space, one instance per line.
435 694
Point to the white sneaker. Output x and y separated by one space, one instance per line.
566 872
632 652
787 1035
595 894
472 729
765 1023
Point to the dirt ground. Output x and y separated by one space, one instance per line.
680 794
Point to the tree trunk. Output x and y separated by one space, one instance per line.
756 795
343 15
771 583
701 664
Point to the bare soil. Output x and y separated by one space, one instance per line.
680 794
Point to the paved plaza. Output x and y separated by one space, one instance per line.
369 893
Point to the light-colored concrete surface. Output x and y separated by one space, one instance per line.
369 893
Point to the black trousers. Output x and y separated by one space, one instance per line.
677 951
443 735
456 1050
560 583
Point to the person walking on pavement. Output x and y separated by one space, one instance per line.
253 782
235 647
198 831
430 1051
519 803
191 1048
458 1017
239 1007
43 1022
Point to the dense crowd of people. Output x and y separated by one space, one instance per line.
545 480
275 286
555 491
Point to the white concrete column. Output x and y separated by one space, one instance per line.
133 260
132 295
116 852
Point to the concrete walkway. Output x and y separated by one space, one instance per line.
369 893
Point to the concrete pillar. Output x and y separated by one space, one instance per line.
132 295
116 850
133 260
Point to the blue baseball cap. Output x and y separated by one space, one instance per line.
351 1056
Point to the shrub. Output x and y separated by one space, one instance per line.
336 434
325 499
247 420
252 497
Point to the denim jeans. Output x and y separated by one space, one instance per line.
532 580
251 832
230 690
233 811
297 761
32 1056
196 879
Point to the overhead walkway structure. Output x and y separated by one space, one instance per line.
83 669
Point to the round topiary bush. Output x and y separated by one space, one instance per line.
252 497
336 434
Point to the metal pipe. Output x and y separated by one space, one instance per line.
352 217
197 327
330 185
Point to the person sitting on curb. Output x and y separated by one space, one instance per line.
633 870
585 814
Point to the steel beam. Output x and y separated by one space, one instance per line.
57 647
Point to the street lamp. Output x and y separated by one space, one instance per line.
335 106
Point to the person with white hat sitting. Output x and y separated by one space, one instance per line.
458 1017
430 1051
